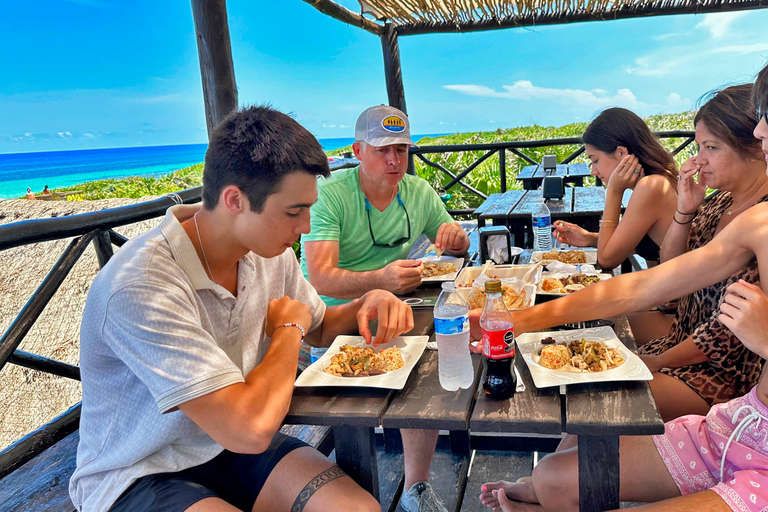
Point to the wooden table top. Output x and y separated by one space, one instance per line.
536 172
516 204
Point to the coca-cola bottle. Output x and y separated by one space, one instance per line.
498 343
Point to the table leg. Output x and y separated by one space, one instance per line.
460 442
356 455
598 473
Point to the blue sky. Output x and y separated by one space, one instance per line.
94 73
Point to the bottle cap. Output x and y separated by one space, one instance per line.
493 286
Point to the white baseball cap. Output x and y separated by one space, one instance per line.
383 125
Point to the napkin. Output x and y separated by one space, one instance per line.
497 249
566 268
520 387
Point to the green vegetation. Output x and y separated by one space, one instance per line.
484 178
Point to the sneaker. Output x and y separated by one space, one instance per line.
422 498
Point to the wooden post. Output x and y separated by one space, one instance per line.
215 53
392 71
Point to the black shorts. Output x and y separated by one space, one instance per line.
235 478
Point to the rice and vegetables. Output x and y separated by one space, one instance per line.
580 356
364 362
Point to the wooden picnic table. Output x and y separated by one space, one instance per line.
533 175
581 205
599 414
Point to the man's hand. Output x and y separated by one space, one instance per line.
395 316
287 310
450 237
401 276
745 312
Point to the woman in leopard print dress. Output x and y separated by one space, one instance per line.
701 362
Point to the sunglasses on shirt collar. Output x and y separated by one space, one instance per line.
396 243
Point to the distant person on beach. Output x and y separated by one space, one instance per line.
364 224
190 341
30 194
46 191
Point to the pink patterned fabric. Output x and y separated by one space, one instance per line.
692 449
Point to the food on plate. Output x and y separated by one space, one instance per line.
549 340
469 284
364 362
580 356
433 247
512 299
568 284
432 269
572 256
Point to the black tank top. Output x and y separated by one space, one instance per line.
647 249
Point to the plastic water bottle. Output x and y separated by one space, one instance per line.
542 227
452 333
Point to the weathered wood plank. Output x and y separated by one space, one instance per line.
491 466
527 172
503 205
42 483
360 407
487 203
578 170
598 483
423 403
534 410
525 206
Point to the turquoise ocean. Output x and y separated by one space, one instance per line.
59 169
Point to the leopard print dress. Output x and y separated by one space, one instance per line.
732 370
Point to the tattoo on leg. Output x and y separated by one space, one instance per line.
329 475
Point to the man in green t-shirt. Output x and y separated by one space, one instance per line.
363 227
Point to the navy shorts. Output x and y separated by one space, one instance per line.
234 477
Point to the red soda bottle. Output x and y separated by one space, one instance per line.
498 343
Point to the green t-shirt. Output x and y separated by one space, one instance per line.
339 215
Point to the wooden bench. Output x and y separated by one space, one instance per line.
42 484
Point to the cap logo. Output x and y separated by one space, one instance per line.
393 124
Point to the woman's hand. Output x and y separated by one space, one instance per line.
652 362
571 234
745 312
626 174
690 194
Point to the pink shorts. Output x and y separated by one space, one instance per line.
692 448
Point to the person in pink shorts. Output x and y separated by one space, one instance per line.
717 462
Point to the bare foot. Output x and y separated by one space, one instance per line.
518 491
505 505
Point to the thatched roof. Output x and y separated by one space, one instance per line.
31 398
422 16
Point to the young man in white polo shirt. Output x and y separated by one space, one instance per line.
190 342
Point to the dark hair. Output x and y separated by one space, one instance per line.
254 149
616 127
729 115
760 93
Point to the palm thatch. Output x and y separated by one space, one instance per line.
31 398
423 16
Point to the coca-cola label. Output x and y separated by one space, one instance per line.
498 344
455 325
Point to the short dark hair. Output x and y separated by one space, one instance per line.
254 149
760 93
616 127
729 114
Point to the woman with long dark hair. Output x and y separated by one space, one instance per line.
625 154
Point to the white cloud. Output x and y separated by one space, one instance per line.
719 24
594 99
525 90
743 49
64 135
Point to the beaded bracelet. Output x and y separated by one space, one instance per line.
291 324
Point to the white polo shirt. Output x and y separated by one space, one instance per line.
156 332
